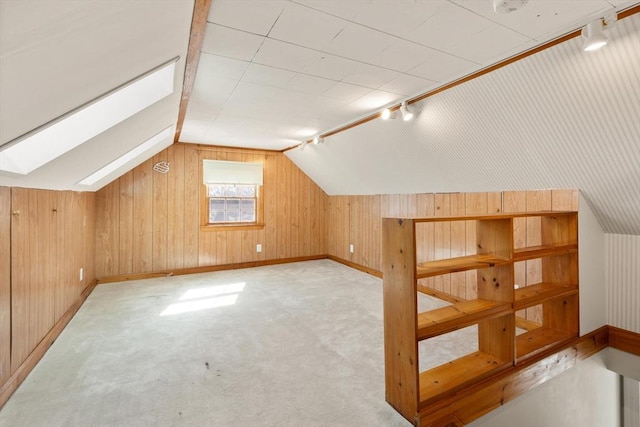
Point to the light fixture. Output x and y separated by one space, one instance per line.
406 113
40 146
593 35
159 141
318 140
388 114
508 6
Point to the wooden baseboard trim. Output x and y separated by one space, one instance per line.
362 268
206 269
624 340
39 351
479 399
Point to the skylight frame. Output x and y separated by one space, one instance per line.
36 148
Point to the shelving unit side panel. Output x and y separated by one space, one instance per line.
561 269
400 315
561 314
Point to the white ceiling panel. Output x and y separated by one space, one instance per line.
359 43
223 41
408 85
306 27
330 67
220 66
442 67
395 18
251 96
492 43
344 9
402 55
373 100
540 18
370 76
268 76
285 55
255 17
310 84
457 23
346 92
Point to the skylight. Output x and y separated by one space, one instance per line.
29 152
162 137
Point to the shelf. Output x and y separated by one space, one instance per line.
455 375
536 294
452 265
523 254
538 340
457 316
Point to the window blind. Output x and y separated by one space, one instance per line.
225 172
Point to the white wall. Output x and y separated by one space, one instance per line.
587 395
622 264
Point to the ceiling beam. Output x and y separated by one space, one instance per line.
196 39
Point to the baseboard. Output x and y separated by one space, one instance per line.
356 266
39 351
624 340
206 269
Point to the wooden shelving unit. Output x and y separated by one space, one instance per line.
408 388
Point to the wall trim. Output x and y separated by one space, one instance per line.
624 340
14 381
351 264
206 269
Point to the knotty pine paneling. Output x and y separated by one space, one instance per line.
5 284
356 220
147 221
52 237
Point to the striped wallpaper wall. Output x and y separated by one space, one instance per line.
622 266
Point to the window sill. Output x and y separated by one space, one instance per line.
231 227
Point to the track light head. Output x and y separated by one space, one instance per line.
317 140
387 114
407 114
593 34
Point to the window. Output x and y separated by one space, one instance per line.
230 203
232 194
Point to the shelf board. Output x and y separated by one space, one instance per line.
531 295
455 375
457 316
452 265
542 251
538 340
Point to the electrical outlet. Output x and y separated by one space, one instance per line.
351 248
81 273
259 247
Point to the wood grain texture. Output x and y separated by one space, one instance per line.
196 39
624 340
5 284
159 216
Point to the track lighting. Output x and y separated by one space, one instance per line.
593 35
304 144
406 113
388 114
317 140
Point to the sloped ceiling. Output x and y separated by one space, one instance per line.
561 118
58 55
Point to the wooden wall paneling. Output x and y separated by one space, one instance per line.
232 238
515 201
58 235
33 324
475 203
442 242
270 241
175 206
294 224
356 223
317 217
564 200
143 217
191 218
5 284
208 251
159 215
45 290
89 235
125 223
76 254
283 218
538 200
375 242
108 233
304 213
20 276
458 243
425 242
